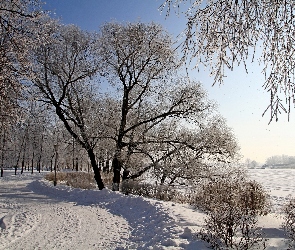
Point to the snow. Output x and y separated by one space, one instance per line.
36 215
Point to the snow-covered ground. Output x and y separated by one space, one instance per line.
36 215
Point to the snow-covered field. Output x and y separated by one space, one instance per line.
36 215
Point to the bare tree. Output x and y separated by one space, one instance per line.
19 29
222 34
62 71
140 61
134 57
197 150
28 138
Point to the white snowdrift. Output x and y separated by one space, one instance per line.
36 215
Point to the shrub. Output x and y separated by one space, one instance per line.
289 221
161 192
232 207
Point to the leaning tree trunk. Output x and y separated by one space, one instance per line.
23 164
96 170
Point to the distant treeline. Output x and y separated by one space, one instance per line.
281 161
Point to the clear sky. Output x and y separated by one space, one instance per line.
242 99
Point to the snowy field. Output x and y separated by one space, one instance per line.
36 215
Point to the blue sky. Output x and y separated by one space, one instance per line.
241 98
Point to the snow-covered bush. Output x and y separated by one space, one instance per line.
232 207
289 221
161 192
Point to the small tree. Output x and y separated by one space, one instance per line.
232 207
289 223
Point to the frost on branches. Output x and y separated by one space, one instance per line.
18 29
222 34
289 221
155 102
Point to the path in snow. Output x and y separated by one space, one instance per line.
151 225
33 221
37 215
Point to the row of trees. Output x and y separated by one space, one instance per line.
57 64
280 160
155 120
29 144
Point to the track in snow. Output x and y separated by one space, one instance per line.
34 221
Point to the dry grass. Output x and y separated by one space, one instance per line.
79 179
107 179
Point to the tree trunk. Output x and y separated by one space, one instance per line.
41 151
33 163
108 164
96 170
38 166
84 144
125 174
23 164
77 165
116 166
163 178
116 163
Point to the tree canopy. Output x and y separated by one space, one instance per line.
154 119
19 29
139 60
222 34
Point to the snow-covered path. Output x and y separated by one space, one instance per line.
36 215
35 221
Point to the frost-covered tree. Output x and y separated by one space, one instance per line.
222 34
133 57
19 31
62 70
280 160
28 140
197 152
140 62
